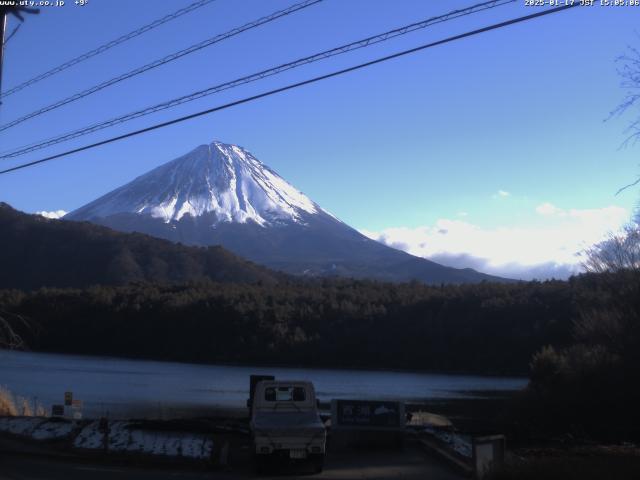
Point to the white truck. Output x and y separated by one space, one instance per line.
285 423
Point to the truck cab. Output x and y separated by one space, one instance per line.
285 424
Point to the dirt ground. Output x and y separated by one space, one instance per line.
410 462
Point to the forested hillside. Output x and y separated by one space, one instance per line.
39 252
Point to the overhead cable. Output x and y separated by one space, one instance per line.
254 77
104 47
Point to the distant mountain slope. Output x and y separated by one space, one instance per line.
36 252
220 194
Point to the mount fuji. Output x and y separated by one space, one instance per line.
220 194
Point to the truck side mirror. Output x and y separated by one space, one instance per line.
318 403
249 403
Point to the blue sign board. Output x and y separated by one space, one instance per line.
368 414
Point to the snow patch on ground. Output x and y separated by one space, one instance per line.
461 444
124 437
19 425
90 437
49 430
36 427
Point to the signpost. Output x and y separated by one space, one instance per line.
72 408
370 423
76 407
368 414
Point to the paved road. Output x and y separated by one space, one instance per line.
411 463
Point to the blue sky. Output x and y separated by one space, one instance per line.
397 150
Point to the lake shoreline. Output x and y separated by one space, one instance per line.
310 366
127 387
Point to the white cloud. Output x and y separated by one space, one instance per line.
548 209
545 251
501 194
53 214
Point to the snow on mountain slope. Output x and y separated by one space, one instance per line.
220 194
219 178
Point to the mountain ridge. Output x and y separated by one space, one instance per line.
220 194
38 252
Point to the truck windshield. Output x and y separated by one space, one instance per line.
285 394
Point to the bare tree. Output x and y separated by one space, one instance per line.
618 252
9 338
629 72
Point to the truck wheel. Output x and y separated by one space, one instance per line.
318 463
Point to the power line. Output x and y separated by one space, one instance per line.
103 48
3 26
295 85
255 76
169 58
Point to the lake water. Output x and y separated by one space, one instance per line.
125 387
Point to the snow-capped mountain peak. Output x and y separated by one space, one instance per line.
220 194
218 178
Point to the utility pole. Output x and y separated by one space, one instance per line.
3 28
4 18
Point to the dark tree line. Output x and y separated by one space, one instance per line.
483 328
591 388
